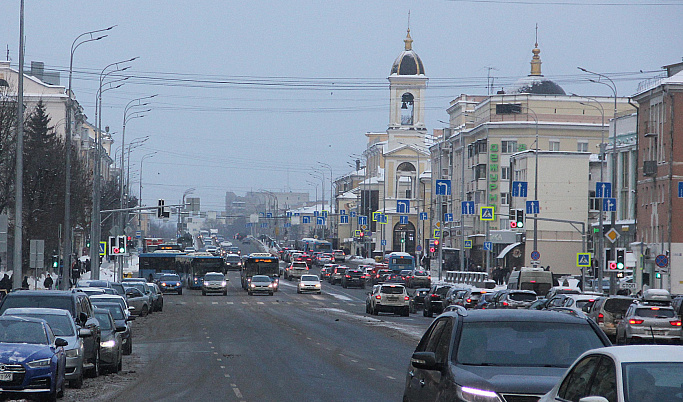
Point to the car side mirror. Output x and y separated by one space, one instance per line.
425 360
120 328
131 318
593 399
84 333
60 343
82 317
131 308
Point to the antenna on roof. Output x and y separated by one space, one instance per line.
409 20
537 34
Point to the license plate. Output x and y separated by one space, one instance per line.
656 332
5 376
392 298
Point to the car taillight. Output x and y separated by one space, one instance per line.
675 323
505 303
429 277
469 300
434 296
632 321
378 297
408 298
601 318
348 276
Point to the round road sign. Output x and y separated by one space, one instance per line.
535 255
662 261
418 248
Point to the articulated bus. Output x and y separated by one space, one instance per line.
311 245
160 261
193 266
398 261
259 264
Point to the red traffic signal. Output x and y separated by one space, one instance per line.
612 265
432 249
436 242
513 224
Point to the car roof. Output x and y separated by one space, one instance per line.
22 292
36 310
19 318
520 315
107 296
642 353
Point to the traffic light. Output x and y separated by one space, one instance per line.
612 265
620 258
658 275
517 219
432 248
55 261
121 242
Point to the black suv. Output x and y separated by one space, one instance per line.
417 299
504 355
75 302
435 300
353 277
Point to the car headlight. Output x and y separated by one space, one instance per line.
39 363
73 352
224 283
469 394
270 285
177 283
317 285
108 344
253 286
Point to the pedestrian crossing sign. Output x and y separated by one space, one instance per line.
486 214
468 243
583 259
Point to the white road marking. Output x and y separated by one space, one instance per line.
245 302
237 392
341 297
229 302
390 377
371 369
260 303
214 302
354 360
222 367
200 302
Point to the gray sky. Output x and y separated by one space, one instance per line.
252 94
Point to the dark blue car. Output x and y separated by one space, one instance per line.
32 359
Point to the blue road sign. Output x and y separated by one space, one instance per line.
583 259
532 207
269 215
467 208
437 234
353 214
288 225
486 214
342 212
297 214
343 219
264 225
680 189
535 255
603 189
519 188
488 246
320 220
384 242
305 219
443 187
289 214
384 219
609 204
325 213
662 261
418 248
424 216
362 220
403 219
262 213
138 234
448 217
468 243
402 206
249 224
103 247
316 213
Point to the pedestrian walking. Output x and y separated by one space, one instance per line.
24 283
48 282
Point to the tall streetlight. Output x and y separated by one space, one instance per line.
183 206
417 196
95 220
19 178
66 257
126 119
331 183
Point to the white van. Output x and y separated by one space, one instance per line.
536 279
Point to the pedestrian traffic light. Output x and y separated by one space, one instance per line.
658 275
55 261
519 218
620 258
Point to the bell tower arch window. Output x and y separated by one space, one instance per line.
407 109
405 180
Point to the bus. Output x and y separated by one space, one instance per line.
310 245
398 261
193 266
160 261
259 264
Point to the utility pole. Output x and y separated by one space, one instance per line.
19 179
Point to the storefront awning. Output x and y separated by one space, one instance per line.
507 249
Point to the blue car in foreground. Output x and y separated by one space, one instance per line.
32 359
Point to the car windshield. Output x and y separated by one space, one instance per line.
652 381
63 303
170 278
103 319
617 306
524 343
420 273
392 290
214 277
138 286
442 290
232 259
114 310
60 324
655 312
310 278
523 297
22 332
585 304
119 301
406 272
260 279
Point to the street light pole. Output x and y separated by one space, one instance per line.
19 178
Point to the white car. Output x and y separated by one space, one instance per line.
388 297
643 373
309 283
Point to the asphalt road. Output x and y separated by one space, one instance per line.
273 348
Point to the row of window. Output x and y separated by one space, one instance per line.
510 147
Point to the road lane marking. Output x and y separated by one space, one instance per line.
390 377
354 360
237 392
214 302
371 369
260 303
200 302
245 302
222 367
229 303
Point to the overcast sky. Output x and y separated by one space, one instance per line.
252 94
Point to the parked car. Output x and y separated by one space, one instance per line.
497 355
120 300
608 311
63 326
142 287
309 283
120 318
32 358
627 373
418 278
111 347
215 282
388 297
417 299
513 299
171 283
77 304
435 300
138 301
649 323
353 277
93 291
157 297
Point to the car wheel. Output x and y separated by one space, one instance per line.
145 311
225 293
320 292
95 371
271 294
203 293
60 394
250 293
129 347
119 366
50 396
344 285
180 292
161 307
375 311
412 309
78 382
406 312
298 291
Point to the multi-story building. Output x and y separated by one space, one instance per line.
660 173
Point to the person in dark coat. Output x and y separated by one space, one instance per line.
6 283
24 283
48 282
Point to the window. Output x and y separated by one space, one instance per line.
554 146
505 198
509 147
581 146
407 109
605 381
575 384
593 203
480 172
505 173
